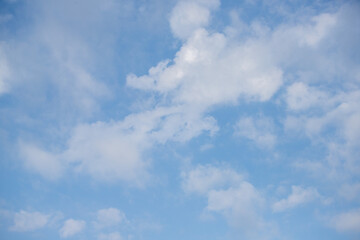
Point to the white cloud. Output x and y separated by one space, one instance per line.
312 35
347 221
301 97
230 195
114 151
298 196
109 217
29 221
337 127
41 162
108 152
110 236
202 179
188 16
239 204
51 55
72 227
260 130
212 69
209 70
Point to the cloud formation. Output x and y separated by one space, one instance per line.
38 161
290 86
109 217
72 227
228 194
29 221
347 222
298 196
188 16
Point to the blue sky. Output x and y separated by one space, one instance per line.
188 119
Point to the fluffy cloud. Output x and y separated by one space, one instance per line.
109 217
260 130
29 221
228 194
347 221
214 68
297 197
72 227
209 70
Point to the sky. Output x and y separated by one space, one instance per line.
179 119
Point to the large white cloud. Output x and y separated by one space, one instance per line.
210 70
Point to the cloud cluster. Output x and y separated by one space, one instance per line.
113 151
227 194
209 70
295 65
334 124
107 220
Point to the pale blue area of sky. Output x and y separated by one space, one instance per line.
250 131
